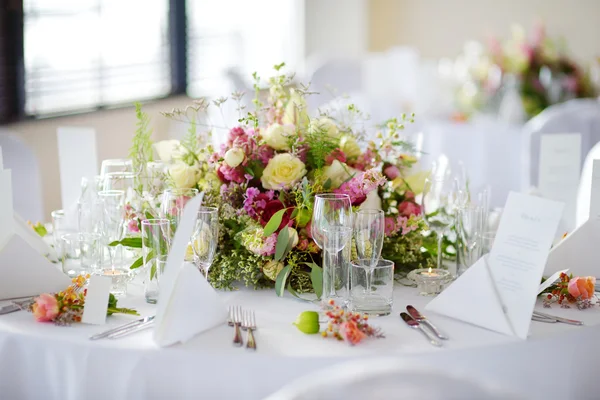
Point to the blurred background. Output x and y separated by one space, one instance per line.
84 62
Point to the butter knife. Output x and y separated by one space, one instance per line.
558 319
132 324
415 325
417 316
132 329
9 309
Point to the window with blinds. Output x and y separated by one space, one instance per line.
227 40
85 54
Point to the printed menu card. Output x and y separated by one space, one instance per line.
500 290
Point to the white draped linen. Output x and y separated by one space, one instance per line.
45 361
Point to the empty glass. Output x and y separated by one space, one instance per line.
156 242
60 226
116 165
487 241
439 199
124 181
331 230
369 227
81 253
173 201
470 223
156 173
380 277
205 238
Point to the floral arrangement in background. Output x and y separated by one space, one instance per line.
265 175
539 67
66 307
579 291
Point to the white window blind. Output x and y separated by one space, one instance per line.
82 54
240 35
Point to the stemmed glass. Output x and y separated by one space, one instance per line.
369 233
112 219
173 201
331 229
439 200
116 165
205 238
470 225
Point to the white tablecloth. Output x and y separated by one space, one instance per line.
43 361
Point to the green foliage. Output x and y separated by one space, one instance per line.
281 281
190 144
274 223
232 265
140 151
282 245
135 242
319 145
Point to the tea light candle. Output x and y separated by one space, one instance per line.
430 281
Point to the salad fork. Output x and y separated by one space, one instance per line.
237 322
250 325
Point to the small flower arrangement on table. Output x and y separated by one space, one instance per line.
66 307
579 291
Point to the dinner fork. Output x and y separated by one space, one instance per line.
250 325
237 322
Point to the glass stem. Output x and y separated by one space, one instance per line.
439 254
368 279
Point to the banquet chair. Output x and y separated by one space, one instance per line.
584 192
26 181
332 78
389 379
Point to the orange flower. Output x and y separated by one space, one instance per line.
45 308
351 333
582 287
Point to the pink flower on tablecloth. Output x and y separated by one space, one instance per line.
45 308
582 287
351 333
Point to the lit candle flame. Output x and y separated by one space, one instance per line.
429 273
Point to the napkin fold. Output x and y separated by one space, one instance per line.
187 304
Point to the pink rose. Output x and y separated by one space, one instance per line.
45 308
392 172
582 287
408 208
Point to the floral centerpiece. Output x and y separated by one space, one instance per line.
265 175
540 66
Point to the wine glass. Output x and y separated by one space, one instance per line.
439 199
116 165
470 225
124 181
112 219
205 238
173 201
369 228
331 229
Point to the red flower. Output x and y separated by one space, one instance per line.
408 208
336 154
270 209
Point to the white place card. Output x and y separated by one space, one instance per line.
578 251
96 300
187 304
77 158
505 283
559 171
595 191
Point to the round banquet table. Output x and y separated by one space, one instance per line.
44 361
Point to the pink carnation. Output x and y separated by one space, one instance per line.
228 174
391 172
361 185
255 202
408 208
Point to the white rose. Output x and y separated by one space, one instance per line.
183 175
295 111
338 173
168 150
279 136
293 235
349 146
272 268
234 157
324 125
283 171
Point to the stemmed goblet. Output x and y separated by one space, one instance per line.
205 238
369 232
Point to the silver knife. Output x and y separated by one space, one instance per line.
133 329
9 309
559 319
132 324
417 316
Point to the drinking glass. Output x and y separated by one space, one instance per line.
124 181
156 173
205 238
81 253
470 223
369 227
439 199
380 277
156 242
173 201
487 241
331 230
116 165
60 226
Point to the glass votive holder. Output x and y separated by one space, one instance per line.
156 242
81 253
430 281
372 287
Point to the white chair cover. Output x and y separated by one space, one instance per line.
343 76
389 379
574 116
585 186
26 181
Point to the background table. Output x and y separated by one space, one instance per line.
45 361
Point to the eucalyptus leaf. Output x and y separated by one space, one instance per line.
327 184
282 279
294 213
282 245
153 271
128 242
137 263
273 223
316 277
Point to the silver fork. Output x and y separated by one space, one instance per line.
230 317
250 325
237 322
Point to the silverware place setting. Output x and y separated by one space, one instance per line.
420 318
543 317
126 329
242 320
